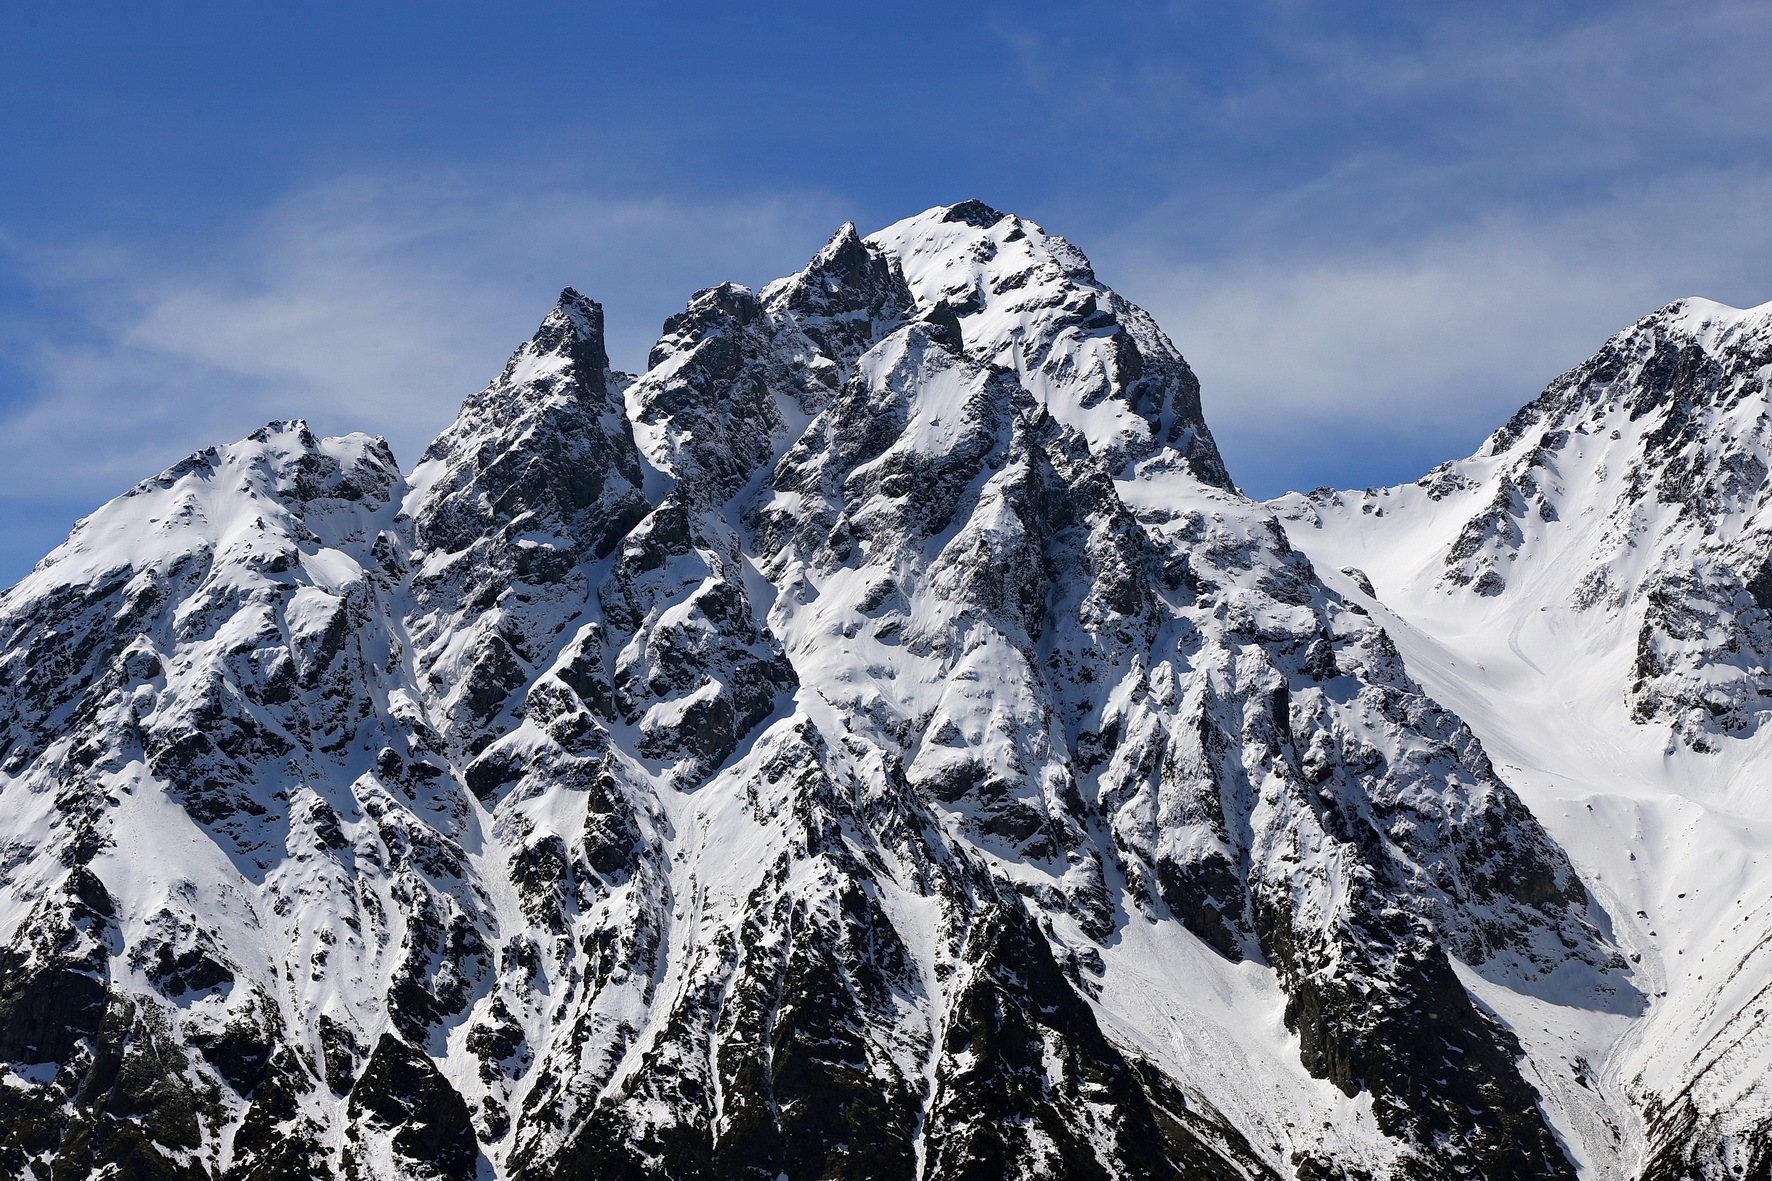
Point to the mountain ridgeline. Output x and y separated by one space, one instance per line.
877 741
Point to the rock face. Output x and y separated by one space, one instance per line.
1591 590
876 741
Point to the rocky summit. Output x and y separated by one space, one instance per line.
879 741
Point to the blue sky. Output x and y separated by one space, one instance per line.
1374 229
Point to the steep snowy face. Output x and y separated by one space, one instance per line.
239 576
228 863
1631 495
876 741
1137 682
1030 302
1591 591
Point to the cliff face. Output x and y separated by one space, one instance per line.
876 741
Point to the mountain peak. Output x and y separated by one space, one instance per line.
845 241
536 476
573 330
1633 487
876 740
585 314
1697 310
1030 301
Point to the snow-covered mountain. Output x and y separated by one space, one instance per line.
1590 592
878 741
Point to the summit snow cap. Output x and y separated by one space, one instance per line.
1030 302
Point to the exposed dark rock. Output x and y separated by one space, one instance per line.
401 1090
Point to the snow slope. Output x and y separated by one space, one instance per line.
1587 591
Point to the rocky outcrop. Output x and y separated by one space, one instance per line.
536 479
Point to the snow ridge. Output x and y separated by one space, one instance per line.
1590 592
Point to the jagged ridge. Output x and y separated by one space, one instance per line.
875 741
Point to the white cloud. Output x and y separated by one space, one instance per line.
1441 336
369 303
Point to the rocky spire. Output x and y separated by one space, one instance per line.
537 476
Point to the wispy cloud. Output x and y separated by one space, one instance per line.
1419 216
1370 364
371 302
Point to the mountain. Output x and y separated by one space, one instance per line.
876 741
1590 591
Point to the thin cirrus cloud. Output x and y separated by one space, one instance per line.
1412 233
1371 365
361 304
